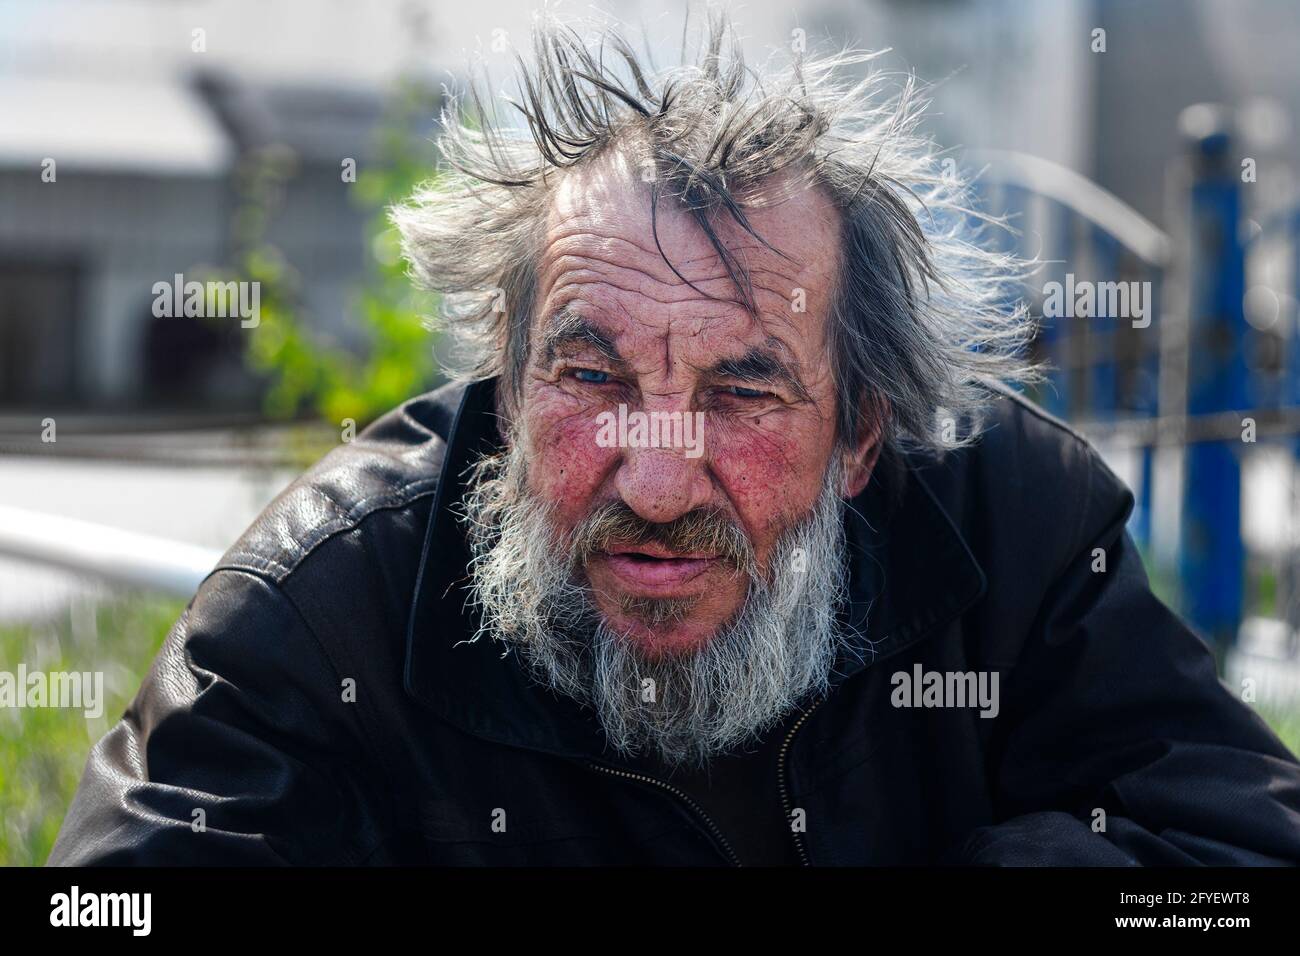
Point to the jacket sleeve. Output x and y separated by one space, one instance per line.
240 748
1122 747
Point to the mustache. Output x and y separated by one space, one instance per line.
702 531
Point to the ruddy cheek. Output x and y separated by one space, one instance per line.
567 466
767 477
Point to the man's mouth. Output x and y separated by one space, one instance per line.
653 570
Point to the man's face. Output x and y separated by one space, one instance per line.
615 325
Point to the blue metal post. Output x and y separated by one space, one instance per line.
1103 381
1146 403
1212 560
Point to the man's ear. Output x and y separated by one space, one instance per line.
860 460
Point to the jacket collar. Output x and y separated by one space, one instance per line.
911 572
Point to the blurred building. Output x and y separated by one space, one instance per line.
107 188
120 167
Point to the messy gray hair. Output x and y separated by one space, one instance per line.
925 316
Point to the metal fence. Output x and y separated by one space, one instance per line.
1164 360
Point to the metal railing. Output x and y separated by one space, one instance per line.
1196 383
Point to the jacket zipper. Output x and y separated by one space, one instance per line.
785 792
695 807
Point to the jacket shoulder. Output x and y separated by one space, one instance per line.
1030 476
393 463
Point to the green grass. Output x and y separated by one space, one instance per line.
1285 723
43 750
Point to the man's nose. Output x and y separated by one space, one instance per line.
662 484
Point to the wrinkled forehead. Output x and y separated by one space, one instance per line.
601 227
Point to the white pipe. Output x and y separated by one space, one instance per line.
1082 195
122 557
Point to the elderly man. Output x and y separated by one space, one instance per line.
732 546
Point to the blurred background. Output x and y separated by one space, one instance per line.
260 140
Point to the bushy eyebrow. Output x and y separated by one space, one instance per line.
761 366
567 328
758 365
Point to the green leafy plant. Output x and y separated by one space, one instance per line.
306 372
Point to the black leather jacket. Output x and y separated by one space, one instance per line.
317 704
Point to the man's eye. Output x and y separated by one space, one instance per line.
591 376
740 392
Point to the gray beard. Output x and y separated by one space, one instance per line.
683 708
